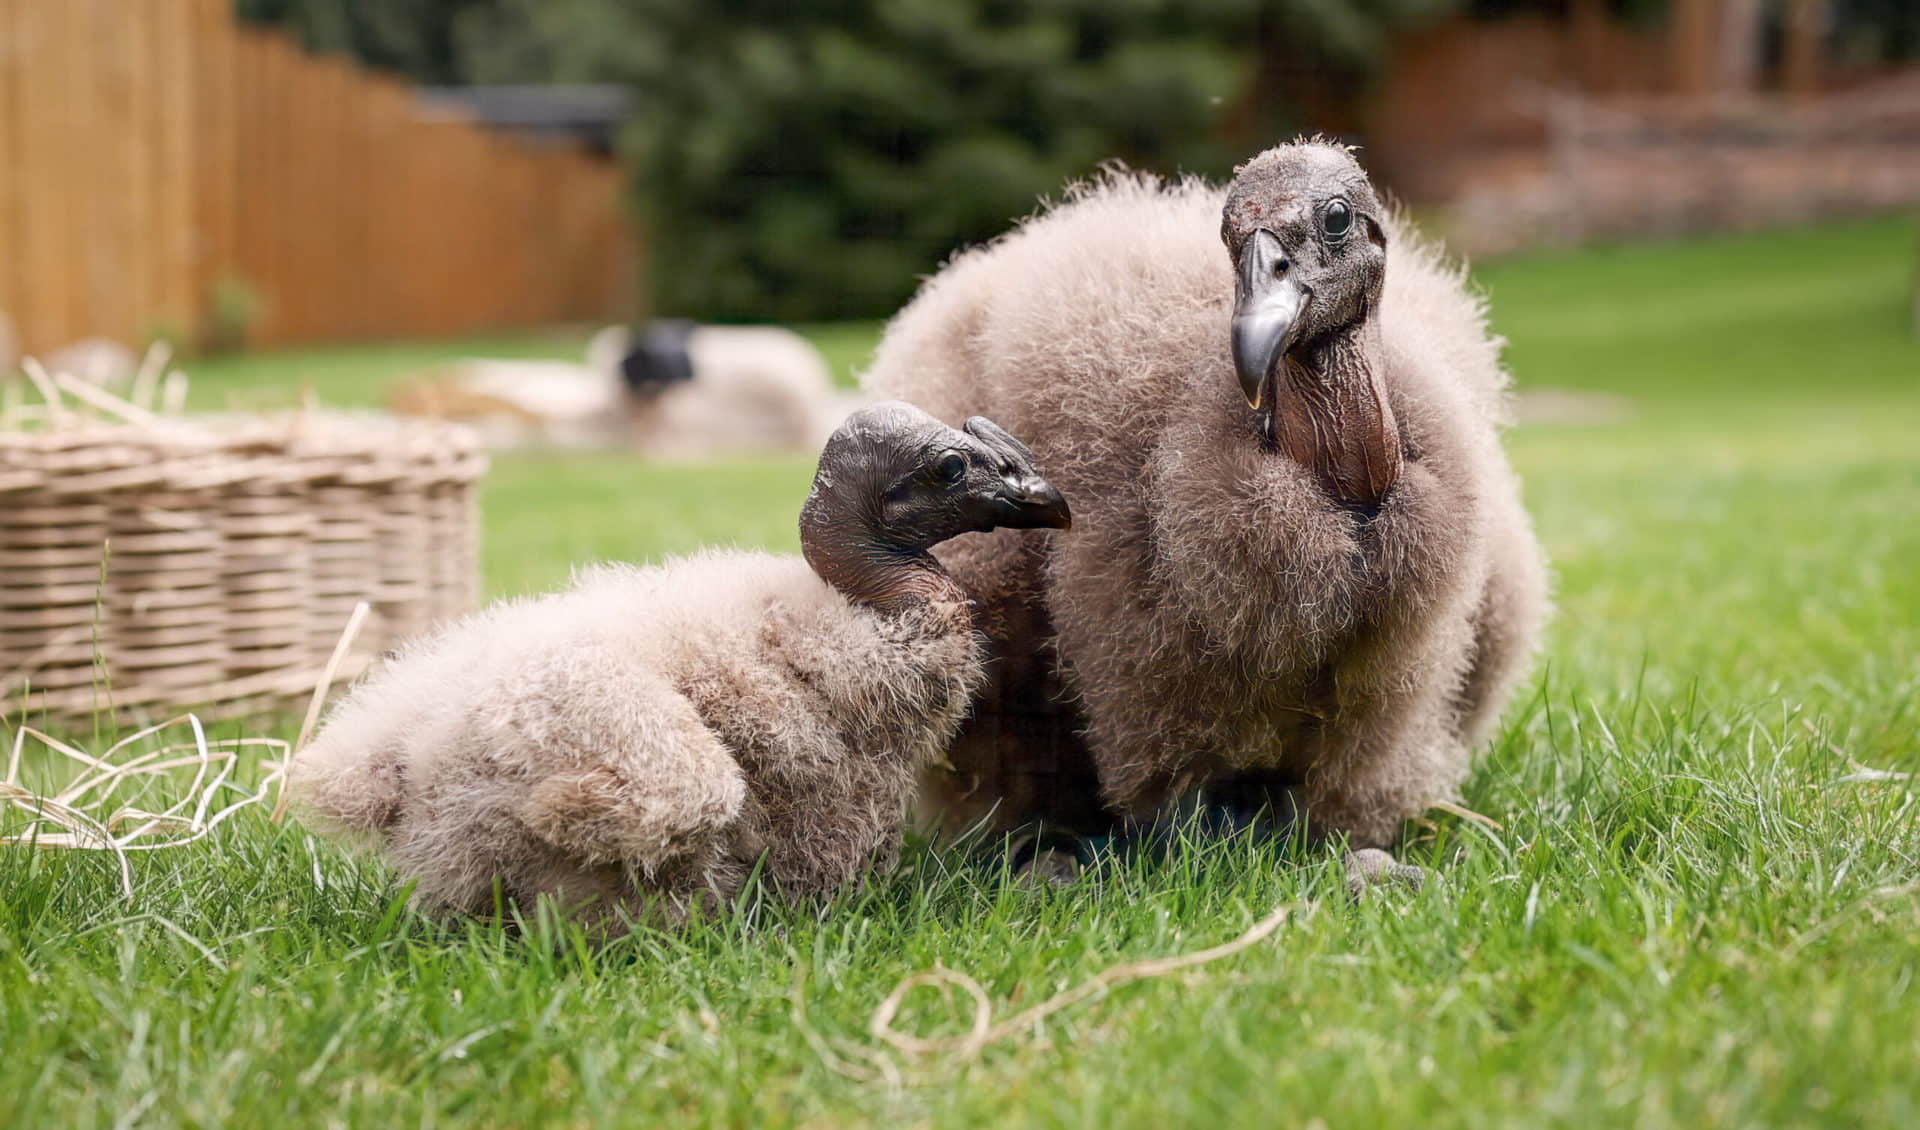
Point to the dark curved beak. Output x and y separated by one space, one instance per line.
1268 299
1030 502
1025 501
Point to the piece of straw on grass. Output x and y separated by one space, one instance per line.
91 813
985 1031
340 650
69 820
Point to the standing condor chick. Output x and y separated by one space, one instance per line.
641 739
1302 571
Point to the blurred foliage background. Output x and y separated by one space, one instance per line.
810 161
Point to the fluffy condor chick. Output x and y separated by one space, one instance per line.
640 740
1301 569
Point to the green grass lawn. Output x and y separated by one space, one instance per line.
1689 916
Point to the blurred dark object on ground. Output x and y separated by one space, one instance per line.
658 357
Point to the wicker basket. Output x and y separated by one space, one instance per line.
152 561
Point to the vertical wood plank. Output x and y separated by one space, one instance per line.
31 310
254 205
276 208
216 130
65 202
191 158
1690 28
133 137
168 98
10 278
1800 68
104 123
50 267
288 91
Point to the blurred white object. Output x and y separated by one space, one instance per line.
733 389
754 388
98 360
517 403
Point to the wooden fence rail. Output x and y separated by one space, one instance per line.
154 154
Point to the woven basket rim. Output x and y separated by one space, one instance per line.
229 547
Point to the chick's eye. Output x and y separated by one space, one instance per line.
1336 219
951 467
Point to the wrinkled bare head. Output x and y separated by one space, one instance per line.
1308 239
894 482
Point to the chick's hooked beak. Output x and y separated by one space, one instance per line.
1268 301
1022 500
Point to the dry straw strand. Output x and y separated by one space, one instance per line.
96 397
1465 813
66 820
320 697
37 373
984 1031
146 379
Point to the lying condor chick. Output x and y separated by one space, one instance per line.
1302 572
633 745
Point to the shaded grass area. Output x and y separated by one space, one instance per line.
1690 915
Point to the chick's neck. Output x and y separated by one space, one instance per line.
1330 413
852 553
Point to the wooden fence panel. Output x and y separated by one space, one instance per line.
216 124
33 227
95 289
60 217
9 178
151 150
179 304
388 186
113 188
